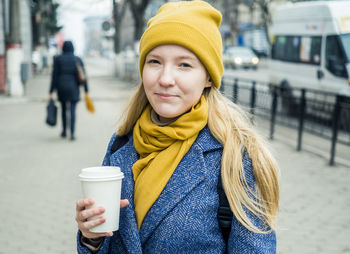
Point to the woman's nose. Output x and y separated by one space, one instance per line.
167 77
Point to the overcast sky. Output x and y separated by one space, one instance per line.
72 13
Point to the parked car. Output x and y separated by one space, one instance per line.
240 57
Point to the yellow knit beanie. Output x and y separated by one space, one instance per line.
193 25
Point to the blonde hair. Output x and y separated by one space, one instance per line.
230 125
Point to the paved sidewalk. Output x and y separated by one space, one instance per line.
39 186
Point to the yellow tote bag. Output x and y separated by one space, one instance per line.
89 105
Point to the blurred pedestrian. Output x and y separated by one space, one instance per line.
36 61
44 58
181 137
65 81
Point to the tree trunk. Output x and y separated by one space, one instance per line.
139 24
118 14
138 11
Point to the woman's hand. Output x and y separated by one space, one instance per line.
83 214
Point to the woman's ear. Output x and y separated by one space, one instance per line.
209 83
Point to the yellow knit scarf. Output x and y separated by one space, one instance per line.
161 149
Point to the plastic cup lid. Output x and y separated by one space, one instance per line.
100 173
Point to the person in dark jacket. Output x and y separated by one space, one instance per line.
65 81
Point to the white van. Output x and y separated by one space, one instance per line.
311 46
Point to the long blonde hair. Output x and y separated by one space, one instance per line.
230 125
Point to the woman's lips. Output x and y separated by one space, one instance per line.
165 96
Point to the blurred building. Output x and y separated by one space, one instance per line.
24 25
244 24
98 36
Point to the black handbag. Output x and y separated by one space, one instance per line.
51 108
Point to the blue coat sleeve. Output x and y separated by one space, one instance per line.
84 250
243 241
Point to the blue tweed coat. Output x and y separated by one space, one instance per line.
184 217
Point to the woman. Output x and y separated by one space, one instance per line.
183 136
65 80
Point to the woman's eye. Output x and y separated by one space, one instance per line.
153 61
186 65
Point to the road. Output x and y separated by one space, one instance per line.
260 74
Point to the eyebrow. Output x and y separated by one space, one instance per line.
181 57
188 57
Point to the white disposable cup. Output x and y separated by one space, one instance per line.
103 185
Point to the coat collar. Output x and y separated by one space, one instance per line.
185 178
206 141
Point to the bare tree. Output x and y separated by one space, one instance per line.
118 14
138 8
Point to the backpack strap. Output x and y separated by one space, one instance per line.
224 213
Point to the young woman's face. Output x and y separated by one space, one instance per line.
173 79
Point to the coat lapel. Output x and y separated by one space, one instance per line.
187 176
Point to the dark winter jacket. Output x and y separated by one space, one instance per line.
64 74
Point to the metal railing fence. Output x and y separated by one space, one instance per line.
320 113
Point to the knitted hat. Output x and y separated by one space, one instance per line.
193 25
